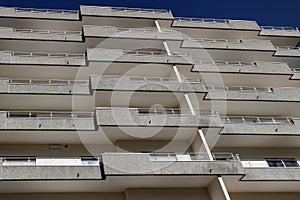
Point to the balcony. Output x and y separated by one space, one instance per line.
271 170
41 58
39 13
154 84
289 94
256 67
279 31
55 121
119 55
35 168
251 125
243 44
125 12
51 87
216 24
33 34
154 117
131 33
143 164
288 51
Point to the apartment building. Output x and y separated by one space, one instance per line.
128 104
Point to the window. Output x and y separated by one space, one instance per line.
282 163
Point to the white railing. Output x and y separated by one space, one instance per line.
217 40
141 10
288 48
57 32
202 20
51 82
256 120
162 79
278 28
44 114
44 54
271 163
219 62
173 111
40 162
145 30
154 53
240 89
191 157
48 11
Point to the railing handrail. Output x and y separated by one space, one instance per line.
132 9
235 41
251 162
240 88
208 20
193 156
239 63
50 11
257 120
46 114
58 32
295 69
44 54
154 53
145 29
26 81
279 28
287 48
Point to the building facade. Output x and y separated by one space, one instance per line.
129 104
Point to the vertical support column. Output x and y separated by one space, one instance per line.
157 26
224 189
206 147
217 190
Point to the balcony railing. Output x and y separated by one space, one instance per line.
36 161
125 9
44 54
191 157
288 48
239 89
51 115
47 82
219 62
257 120
173 111
271 163
48 11
56 32
162 79
217 40
278 28
143 30
202 20
154 53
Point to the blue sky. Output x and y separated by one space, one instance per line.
266 12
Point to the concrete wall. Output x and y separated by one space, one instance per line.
125 84
117 55
113 32
260 68
65 196
259 45
108 12
264 196
287 52
272 174
167 194
232 24
275 129
131 117
278 94
140 164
